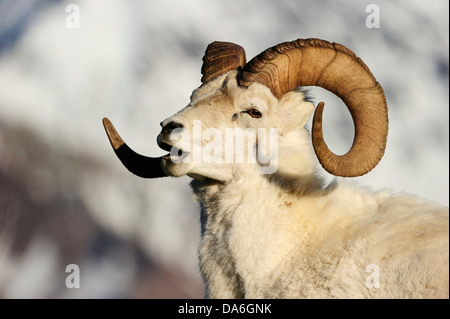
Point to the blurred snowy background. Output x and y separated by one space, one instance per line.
66 199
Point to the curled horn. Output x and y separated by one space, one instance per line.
314 62
142 166
221 57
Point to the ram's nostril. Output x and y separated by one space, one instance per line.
169 127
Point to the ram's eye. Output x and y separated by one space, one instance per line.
254 113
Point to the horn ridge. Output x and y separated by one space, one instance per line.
220 58
332 66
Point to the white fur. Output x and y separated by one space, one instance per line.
287 235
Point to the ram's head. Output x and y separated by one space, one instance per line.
261 94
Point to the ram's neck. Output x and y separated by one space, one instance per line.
234 216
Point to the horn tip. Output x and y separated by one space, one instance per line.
114 137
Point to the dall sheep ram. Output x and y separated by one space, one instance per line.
273 228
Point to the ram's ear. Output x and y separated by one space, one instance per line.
293 111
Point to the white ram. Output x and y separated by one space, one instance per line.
287 234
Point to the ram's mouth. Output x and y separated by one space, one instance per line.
175 154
